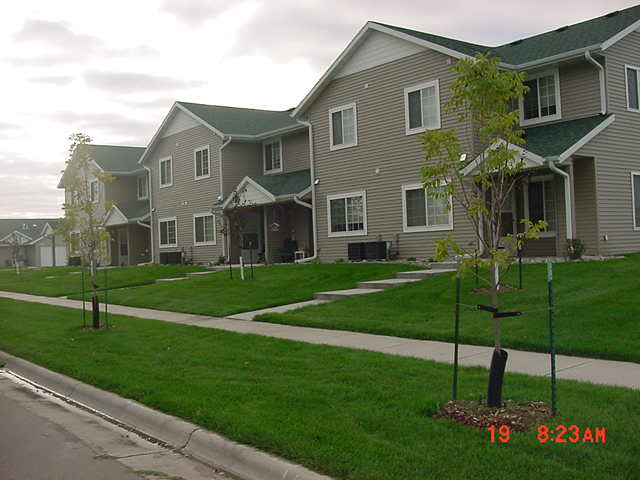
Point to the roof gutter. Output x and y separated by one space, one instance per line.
314 219
603 91
567 197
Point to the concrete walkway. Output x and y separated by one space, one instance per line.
605 372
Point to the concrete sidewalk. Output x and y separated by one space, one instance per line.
604 372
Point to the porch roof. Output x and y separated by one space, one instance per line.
280 184
128 212
555 139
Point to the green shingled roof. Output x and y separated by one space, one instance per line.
134 210
554 139
241 121
31 227
565 39
285 183
116 158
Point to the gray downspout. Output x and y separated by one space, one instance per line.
314 204
567 197
225 247
151 212
603 91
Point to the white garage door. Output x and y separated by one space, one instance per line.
46 257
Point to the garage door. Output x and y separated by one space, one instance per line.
46 256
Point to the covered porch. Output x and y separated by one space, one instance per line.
269 218
128 225
557 185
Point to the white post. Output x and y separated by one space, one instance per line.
241 269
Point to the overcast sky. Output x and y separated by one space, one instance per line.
113 69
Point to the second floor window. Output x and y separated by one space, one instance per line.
542 102
143 187
422 107
93 191
201 159
347 214
343 127
166 172
633 88
168 232
273 156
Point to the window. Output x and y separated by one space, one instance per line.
635 185
273 156
204 229
423 213
541 203
542 102
93 191
347 214
343 127
633 88
166 172
422 107
201 162
168 232
143 187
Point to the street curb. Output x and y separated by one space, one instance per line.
242 461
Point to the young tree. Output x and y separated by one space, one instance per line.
84 216
16 242
483 96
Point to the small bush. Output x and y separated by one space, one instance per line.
339 260
220 260
411 259
575 248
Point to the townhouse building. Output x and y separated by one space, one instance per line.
31 242
123 203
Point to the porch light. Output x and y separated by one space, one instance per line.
316 181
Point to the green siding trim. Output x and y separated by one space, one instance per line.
241 121
553 139
556 42
285 183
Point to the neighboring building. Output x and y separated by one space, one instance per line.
34 242
203 153
581 120
128 219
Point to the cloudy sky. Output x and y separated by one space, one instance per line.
113 69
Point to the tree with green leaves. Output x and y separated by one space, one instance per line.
84 215
482 96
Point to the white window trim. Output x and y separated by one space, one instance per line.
353 233
407 91
195 168
541 179
264 156
97 182
333 147
146 180
633 205
168 245
200 215
164 185
549 118
423 228
626 86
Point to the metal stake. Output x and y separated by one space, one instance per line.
456 335
552 338
84 319
520 267
106 299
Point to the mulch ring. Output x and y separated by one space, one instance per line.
503 288
519 417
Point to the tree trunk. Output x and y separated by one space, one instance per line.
95 301
499 359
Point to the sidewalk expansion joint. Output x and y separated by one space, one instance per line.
570 367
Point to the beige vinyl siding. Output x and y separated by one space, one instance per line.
579 90
295 151
382 144
586 203
617 152
186 196
240 159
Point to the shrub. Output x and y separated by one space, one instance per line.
339 260
575 248
411 259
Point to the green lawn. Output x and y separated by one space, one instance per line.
218 295
349 414
597 315
58 281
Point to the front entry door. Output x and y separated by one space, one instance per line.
251 238
123 246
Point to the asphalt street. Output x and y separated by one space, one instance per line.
44 438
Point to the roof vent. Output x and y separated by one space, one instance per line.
562 29
517 42
612 14
24 226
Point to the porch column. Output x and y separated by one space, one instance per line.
265 226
